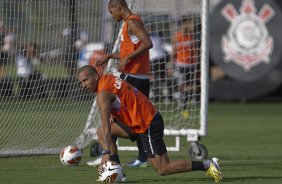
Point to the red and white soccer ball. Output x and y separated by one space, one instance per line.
111 173
70 155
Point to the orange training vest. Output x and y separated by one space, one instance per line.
129 43
136 110
185 49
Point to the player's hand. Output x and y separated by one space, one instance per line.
105 159
102 60
122 64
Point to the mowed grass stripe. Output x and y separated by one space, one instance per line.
246 137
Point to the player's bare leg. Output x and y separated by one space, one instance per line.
165 167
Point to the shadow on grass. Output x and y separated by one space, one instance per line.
174 180
245 179
253 178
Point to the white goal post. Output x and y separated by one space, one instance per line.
42 106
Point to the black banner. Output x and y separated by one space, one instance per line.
246 42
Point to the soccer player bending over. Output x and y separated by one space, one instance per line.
119 100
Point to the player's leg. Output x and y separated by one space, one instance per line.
117 130
179 85
184 84
165 167
155 147
156 151
189 97
143 86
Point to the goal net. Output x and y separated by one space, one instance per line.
44 42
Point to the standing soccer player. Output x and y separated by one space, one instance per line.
185 59
138 118
134 63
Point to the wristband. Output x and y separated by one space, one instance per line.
105 152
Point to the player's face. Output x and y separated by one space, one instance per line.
188 28
115 12
88 82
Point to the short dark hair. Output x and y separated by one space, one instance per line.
185 19
90 69
118 2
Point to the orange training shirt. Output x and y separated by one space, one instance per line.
135 110
129 43
185 49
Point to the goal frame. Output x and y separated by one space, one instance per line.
27 131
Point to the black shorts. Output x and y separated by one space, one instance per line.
152 139
186 75
142 85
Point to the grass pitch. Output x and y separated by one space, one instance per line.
246 137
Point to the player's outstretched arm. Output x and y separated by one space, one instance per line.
101 61
104 100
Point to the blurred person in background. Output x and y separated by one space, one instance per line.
75 41
26 62
6 40
90 54
158 58
185 58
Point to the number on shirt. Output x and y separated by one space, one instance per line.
118 83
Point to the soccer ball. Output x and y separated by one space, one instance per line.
70 155
111 173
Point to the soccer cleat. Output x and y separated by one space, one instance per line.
185 114
214 170
94 163
137 163
124 177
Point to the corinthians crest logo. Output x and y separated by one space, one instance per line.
247 42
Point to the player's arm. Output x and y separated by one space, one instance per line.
136 28
102 60
104 100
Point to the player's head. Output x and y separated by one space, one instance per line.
89 78
117 8
186 25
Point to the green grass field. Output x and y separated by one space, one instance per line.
246 137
